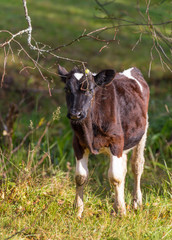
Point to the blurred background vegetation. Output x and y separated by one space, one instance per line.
59 22
39 138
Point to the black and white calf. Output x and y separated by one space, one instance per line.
108 113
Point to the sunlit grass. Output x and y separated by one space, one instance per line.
37 203
42 208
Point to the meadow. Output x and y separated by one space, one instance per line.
37 168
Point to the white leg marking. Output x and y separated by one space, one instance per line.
82 166
116 174
81 175
127 73
137 168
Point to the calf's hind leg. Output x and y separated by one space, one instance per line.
81 176
137 168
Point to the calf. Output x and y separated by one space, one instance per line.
108 113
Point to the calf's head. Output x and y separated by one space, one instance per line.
80 88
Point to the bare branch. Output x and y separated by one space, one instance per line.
156 35
150 64
29 38
3 124
135 23
138 41
104 10
87 35
40 162
5 63
43 49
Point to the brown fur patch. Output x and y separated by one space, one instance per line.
116 119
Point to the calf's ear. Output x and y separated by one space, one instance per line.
62 73
104 77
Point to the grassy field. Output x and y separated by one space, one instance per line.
41 208
37 190
37 181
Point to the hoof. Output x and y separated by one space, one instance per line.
79 215
120 211
78 209
135 207
137 204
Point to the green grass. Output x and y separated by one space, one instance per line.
41 208
37 182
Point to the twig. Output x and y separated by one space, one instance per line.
135 23
36 64
40 162
44 49
105 46
104 10
5 63
150 64
170 227
24 229
139 11
156 35
43 134
29 38
138 41
24 139
3 124
85 35
38 145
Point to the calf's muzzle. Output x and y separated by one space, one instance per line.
76 115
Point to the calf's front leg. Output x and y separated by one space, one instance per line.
81 176
116 174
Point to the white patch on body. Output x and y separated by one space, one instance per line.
78 76
127 73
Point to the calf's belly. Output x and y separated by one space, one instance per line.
132 141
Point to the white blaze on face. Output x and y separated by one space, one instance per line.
94 74
78 76
127 73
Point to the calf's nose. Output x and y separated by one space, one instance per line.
75 115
